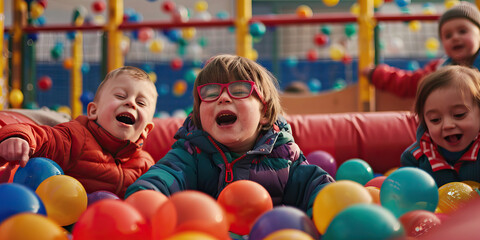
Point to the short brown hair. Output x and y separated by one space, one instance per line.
461 77
228 68
134 72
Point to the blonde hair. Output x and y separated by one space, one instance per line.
228 68
134 72
463 78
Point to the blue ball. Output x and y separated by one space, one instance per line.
283 217
364 222
87 97
408 189
36 170
356 170
16 198
257 29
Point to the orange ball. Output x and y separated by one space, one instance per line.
190 211
146 202
244 201
454 195
304 11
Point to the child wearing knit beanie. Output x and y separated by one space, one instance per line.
459 33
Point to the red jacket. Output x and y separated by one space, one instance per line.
86 152
401 82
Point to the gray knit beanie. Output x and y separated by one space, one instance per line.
462 10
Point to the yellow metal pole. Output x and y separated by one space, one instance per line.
19 21
76 77
114 35
244 39
2 58
366 23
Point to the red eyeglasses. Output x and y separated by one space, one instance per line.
238 90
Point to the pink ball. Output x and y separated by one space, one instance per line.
324 160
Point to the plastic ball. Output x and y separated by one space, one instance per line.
145 34
432 44
374 193
314 85
339 84
33 36
44 83
146 202
189 33
304 11
312 55
64 197
408 189
413 65
43 3
31 226
350 30
36 171
168 6
330 3
475 185
36 10
336 52
68 63
326 29
335 197
244 201
454 195
450 3
56 52
17 199
179 88
418 222
414 26
86 97
190 75
288 234
291 61
180 14
280 218
152 76
355 170
222 15
321 39
100 195
98 6
111 219
190 211
324 160
201 6
378 3
402 3
376 182
355 9
65 110
347 59
364 222
16 98
257 29
176 63
189 235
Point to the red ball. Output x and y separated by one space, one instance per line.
168 6
419 222
312 55
346 59
176 63
43 3
320 39
376 182
44 83
98 6
244 201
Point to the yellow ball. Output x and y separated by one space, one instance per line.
156 46
330 3
201 6
36 10
335 197
153 77
16 98
64 198
450 3
432 44
188 33
188 235
304 11
378 3
64 109
454 195
336 52
31 226
414 25
355 9
288 234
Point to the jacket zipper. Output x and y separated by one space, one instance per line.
228 166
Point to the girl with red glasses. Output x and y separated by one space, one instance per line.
236 132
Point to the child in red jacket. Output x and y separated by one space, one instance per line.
459 32
103 149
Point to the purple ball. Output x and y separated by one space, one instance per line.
324 160
99 195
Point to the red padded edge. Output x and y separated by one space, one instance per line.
160 140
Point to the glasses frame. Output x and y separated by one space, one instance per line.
226 85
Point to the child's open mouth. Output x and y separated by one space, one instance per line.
226 119
453 138
126 118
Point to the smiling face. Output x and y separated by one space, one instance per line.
125 106
452 118
460 39
235 123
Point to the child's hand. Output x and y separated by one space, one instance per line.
15 149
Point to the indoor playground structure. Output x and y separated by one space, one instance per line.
59 65
314 48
